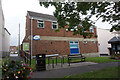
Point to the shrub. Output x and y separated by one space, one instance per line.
15 69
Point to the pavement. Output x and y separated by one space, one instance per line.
16 57
72 70
11 55
66 65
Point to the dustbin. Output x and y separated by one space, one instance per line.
40 62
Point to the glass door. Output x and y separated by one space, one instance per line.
74 47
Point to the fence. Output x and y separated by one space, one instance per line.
27 57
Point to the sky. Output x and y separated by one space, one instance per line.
15 12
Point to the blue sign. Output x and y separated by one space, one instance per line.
74 48
36 37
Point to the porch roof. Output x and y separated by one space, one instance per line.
114 39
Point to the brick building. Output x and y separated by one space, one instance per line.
13 49
46 40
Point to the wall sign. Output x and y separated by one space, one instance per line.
36 37
25 46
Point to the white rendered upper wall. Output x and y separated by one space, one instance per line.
6 42
104 35
1 26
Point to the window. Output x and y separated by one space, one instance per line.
91 29
85 42
54 25
74 42
93 41
71 42
118 47
40 24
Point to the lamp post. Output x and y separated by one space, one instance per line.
19 41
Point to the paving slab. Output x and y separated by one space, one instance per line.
16 57
66 65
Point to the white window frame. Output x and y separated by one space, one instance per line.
93 41
91 28
84 42
73 42
55 24
40 22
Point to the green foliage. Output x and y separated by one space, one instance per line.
15 69
73 13
95 36
57 30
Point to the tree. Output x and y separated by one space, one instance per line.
71 13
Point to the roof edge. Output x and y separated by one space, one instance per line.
7 31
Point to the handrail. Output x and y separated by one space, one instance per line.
27 57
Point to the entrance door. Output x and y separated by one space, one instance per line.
74 47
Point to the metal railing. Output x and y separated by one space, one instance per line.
27 57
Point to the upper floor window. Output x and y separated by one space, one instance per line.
93 41
54 25
40 24
84 42
91 29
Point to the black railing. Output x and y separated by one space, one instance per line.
27 57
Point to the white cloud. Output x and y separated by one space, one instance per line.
15 12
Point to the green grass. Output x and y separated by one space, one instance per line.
101 59
91 59
104 73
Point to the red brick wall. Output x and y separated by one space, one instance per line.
53 47
89 47
62 47
13 49
48 31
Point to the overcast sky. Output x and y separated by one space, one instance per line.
15 12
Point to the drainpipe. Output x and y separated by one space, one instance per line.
31 35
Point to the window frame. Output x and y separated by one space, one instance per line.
54 24
74 43
85 41
40 22
93 41
92 28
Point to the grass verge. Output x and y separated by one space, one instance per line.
112 72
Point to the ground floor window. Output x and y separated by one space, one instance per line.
74 47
